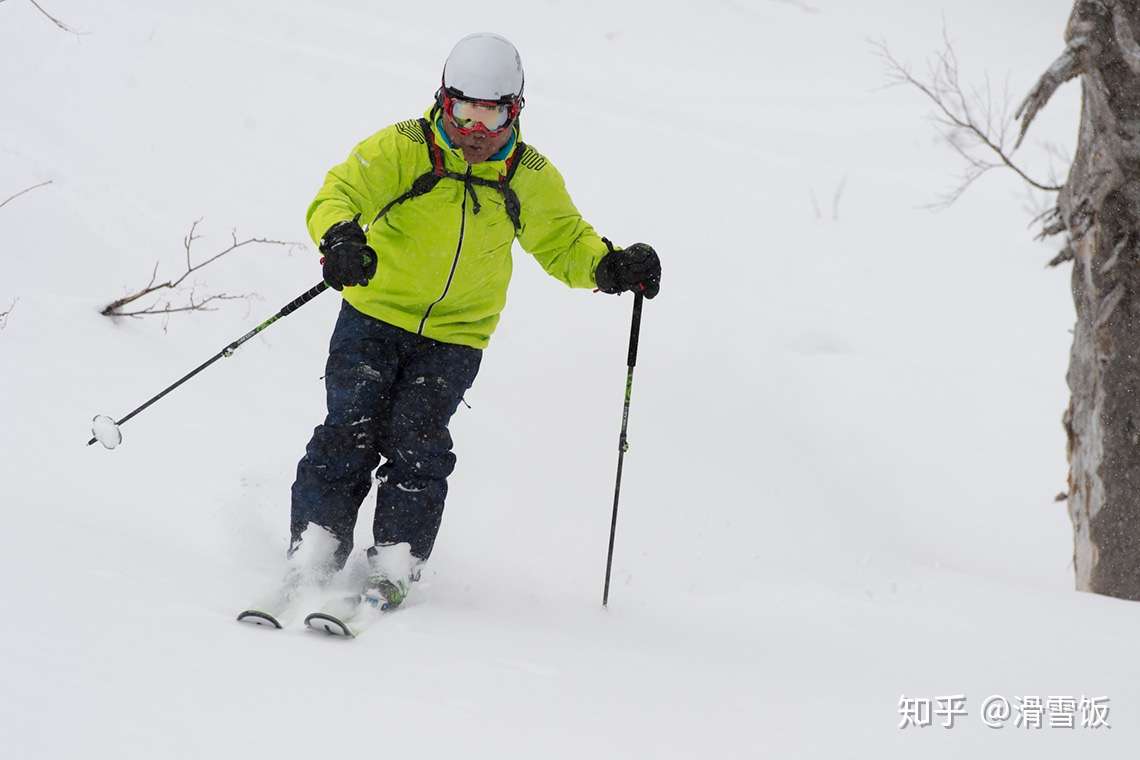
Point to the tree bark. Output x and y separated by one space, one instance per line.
1099 207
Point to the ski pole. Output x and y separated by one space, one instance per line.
106 430
623 444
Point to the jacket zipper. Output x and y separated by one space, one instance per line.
455 261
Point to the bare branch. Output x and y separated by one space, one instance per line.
54 20
1046 216
1067 66
4 314
1052 223
193 305
189 240
799 4
974 125
26 190
1065 254
115 308
836 198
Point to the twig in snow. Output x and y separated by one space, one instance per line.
799 4
4 314
193 305
54 20
835 199
115 308
26 190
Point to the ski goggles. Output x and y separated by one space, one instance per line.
488 116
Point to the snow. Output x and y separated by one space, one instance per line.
844 435
104 430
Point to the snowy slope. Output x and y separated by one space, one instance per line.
845 437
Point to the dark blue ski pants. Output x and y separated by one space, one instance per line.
390 394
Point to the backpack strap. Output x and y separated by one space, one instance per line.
427 181
510 197
435 155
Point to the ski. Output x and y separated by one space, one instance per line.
338 617
348 616
277 608
330 624
260 617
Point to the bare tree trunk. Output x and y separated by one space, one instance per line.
1099 208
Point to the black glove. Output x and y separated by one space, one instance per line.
347 258
636 268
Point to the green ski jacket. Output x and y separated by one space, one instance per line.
444 257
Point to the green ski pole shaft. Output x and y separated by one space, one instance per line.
623 444
291 307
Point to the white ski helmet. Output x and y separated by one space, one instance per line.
484 66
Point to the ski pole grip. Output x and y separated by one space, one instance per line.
635 329
303 299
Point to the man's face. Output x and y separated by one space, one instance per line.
477 146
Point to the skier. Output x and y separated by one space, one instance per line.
415 229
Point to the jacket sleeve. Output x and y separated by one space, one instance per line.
551 228
369 177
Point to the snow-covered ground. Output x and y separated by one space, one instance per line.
845 431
